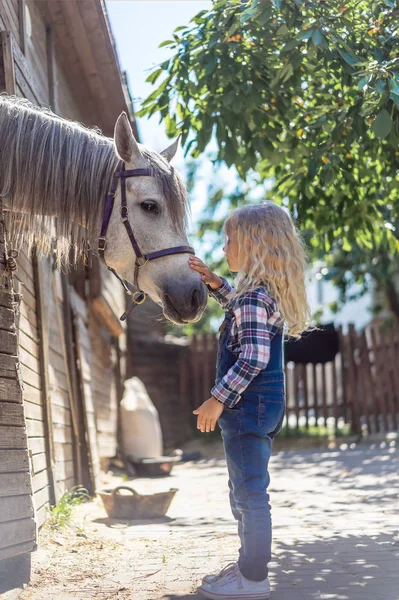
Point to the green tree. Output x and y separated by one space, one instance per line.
306 94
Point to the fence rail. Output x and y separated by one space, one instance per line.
360 387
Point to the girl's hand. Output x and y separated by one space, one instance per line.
208 415
207 276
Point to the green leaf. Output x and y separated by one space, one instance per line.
154 76
167 42
348 57
317 37
304 35
264 15
382 124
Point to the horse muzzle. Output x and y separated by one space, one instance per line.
184 304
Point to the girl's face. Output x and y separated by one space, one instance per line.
230 249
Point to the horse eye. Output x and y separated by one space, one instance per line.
149 207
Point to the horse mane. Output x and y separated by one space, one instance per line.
52 166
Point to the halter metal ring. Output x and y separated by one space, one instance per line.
139 297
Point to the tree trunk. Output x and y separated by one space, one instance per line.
392 298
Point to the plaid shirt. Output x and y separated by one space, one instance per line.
256 320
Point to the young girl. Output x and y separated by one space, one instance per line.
248 399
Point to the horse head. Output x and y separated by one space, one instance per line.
156 208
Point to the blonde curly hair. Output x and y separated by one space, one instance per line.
271 253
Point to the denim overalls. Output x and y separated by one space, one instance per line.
247 432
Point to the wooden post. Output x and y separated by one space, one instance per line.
66 344
395 369
43 291
315 394
296 396
381 382
390 368
22 24
305 394
356 424
8 63
324 393
365 378
334 391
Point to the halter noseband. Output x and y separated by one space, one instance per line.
141 259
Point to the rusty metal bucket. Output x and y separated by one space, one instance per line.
134 505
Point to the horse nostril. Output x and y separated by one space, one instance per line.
194 299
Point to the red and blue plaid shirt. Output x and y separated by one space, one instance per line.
256 320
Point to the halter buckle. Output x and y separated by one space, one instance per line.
141 261
102 244
124 214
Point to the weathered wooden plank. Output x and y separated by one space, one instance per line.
64 470
23 530
11 413
6 300
59 397
39 481
22 24
103 311
15 507
8 60
8 365
17 549
7 319
29 328
34 428
31 377
33 411
39 463
64 451
42 515
12 437
42 279
14 484
62 434
8 342
41 498
14 461
30 361
36 445
31 394
28 344
62 415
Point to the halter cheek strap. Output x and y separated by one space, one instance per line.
141 259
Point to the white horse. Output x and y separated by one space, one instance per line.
53 167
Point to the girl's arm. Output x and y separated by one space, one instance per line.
257 321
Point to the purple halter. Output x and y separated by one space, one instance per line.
141 259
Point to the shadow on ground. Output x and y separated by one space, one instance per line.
342 568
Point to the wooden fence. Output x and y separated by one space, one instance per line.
360 387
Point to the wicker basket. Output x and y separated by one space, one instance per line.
134 505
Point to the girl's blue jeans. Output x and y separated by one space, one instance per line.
247 432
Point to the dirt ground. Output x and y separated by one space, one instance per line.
336 533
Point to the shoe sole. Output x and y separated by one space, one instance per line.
214 596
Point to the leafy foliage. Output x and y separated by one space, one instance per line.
305 93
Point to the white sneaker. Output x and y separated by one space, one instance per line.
231 584
216 576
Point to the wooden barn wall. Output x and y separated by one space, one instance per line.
84 358
104 386
29 352
47 388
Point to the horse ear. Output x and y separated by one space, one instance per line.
125 143
169 152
